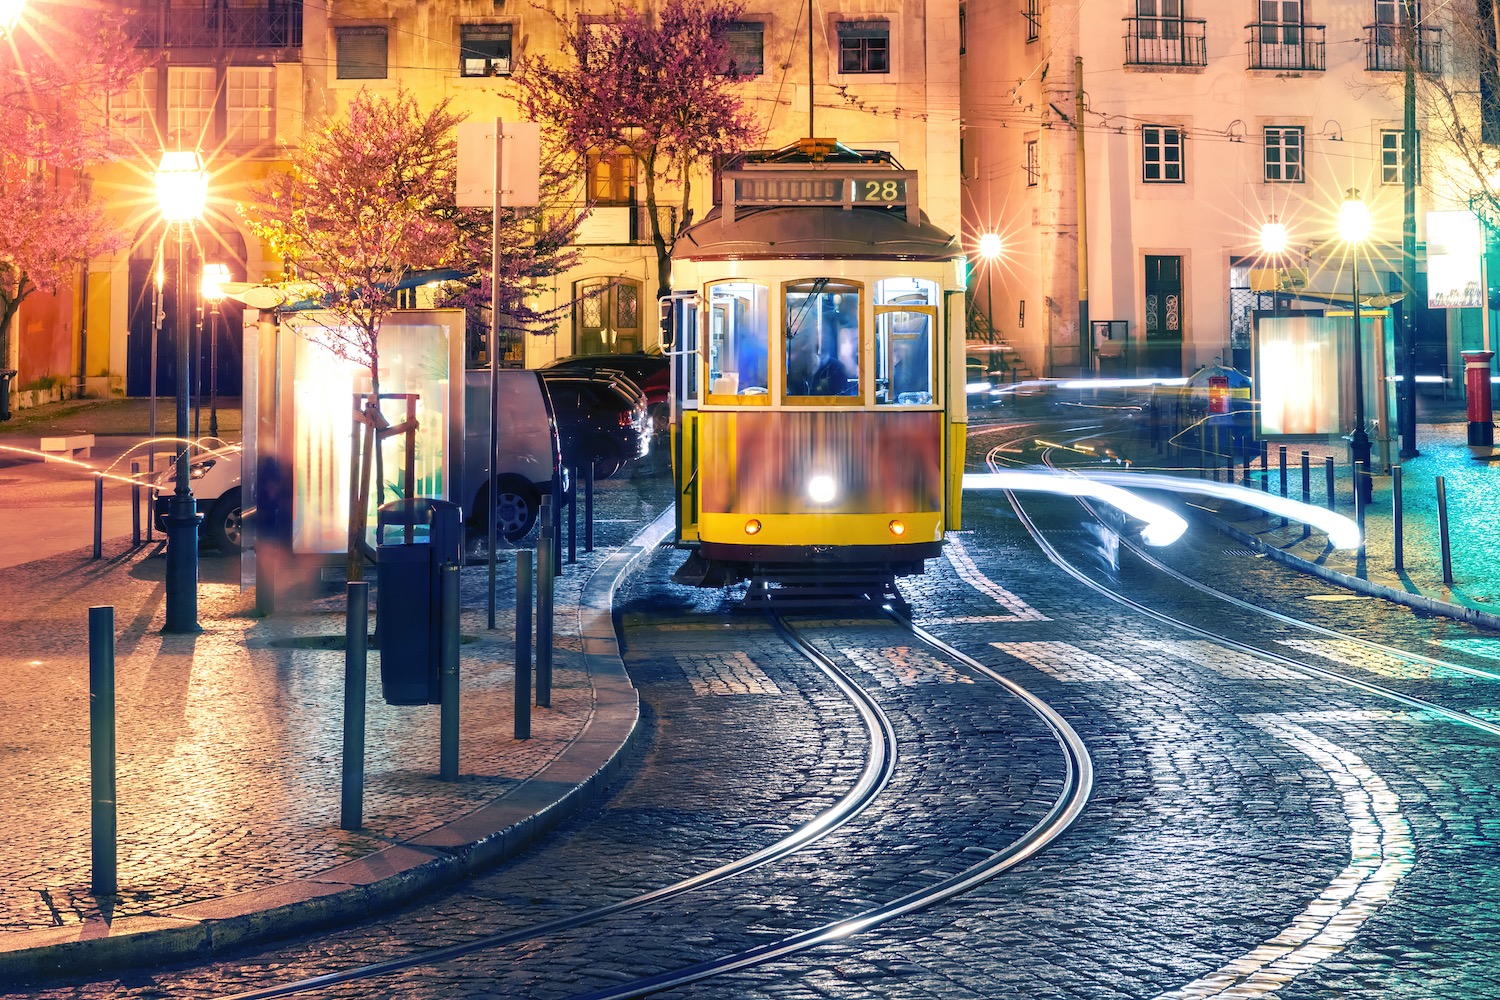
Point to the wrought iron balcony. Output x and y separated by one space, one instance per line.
1165 41
277 25
1385 49
1277 45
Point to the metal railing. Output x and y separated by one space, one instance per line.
1277 45
1385 49
1166 41
277 26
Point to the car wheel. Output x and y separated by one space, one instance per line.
225 525
606 457
515 510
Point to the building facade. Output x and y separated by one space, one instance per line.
240 81
1131 155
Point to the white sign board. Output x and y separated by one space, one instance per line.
520 144
1455 242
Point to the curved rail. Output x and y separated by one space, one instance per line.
879 765
1077 784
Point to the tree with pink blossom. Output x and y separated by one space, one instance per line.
368 199
661 88
58 69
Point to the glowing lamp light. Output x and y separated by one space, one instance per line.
215 277
1273 238
990 246
752 527
821 489
181 186
897 526
1354 218
10 14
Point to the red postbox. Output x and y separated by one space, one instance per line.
1477 390
1218 394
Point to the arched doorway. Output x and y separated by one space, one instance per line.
215 240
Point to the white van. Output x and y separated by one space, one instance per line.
527 451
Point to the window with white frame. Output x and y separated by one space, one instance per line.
1390 157
484 49
134 110
1161 154
1284 154
362 52
1033 165
248 103
864 46
746 44
190 105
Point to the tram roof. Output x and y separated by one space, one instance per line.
818 231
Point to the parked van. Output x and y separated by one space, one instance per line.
527 449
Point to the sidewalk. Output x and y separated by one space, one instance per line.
229 760
1473 504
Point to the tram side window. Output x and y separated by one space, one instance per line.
739 337
822 339
904 341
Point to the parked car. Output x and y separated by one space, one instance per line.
649 373
601 419
528 451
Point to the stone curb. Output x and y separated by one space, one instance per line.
1419 602
462 847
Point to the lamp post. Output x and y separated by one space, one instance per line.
1354 227
182 188
989 248
1273 244
214 278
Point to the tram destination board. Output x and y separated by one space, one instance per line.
800 189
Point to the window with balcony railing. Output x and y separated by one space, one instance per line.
1284 45
1165 40
274 24
1385 48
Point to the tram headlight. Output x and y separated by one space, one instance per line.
752 527
821 489
897 526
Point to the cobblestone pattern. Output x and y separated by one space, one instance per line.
229 748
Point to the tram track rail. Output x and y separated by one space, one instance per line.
1065 808
1058 559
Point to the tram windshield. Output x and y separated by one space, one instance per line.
822 338
739 338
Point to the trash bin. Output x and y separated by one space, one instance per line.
6 375
408 608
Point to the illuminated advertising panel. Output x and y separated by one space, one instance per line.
1454 244
418 350
1297 375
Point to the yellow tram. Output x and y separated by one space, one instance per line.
817 341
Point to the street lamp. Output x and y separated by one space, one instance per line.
10 14
215 276
990 247
182 189
1354 228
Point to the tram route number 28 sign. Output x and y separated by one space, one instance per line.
819 189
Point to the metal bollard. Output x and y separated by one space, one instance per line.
1328 476
135 505
356 659
523 644
103 819
1442 507
588 509
98 515
448 642
573 519
1283 477
546 555
1397 517
1306 489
